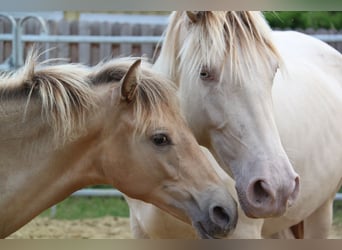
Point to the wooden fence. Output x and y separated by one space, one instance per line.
88 53
92 53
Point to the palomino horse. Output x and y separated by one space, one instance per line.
64 127
245 112
149 222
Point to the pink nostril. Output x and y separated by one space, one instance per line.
295 192
266 200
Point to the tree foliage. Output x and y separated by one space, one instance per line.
304 19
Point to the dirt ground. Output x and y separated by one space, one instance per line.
102 228
336 232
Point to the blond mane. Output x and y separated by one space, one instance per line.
156 96
237 37
67 92
63 90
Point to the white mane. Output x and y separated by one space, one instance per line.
218 37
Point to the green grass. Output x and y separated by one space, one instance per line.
304 19
74 208
338 212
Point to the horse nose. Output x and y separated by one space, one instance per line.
268 200
223 220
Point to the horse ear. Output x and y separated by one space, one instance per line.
195 16
129 82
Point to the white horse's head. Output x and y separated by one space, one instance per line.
224 63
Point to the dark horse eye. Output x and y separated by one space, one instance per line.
160 140
206 74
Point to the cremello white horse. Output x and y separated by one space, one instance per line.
64 127
245 112
224 64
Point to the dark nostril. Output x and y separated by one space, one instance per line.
268 198
260 191
220 216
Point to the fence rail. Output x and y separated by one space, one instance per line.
80 41
336 38
332 38
98 192
116 193
91 41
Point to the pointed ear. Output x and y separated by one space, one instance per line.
195 16
129 82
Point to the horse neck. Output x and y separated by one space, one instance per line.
36 173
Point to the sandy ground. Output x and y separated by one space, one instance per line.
102 228
336 232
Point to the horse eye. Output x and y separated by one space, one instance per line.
204 75
160 140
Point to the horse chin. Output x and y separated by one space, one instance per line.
201 231
204 233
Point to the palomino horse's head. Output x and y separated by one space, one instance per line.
159 160
224 63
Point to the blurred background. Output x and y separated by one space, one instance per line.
89 37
